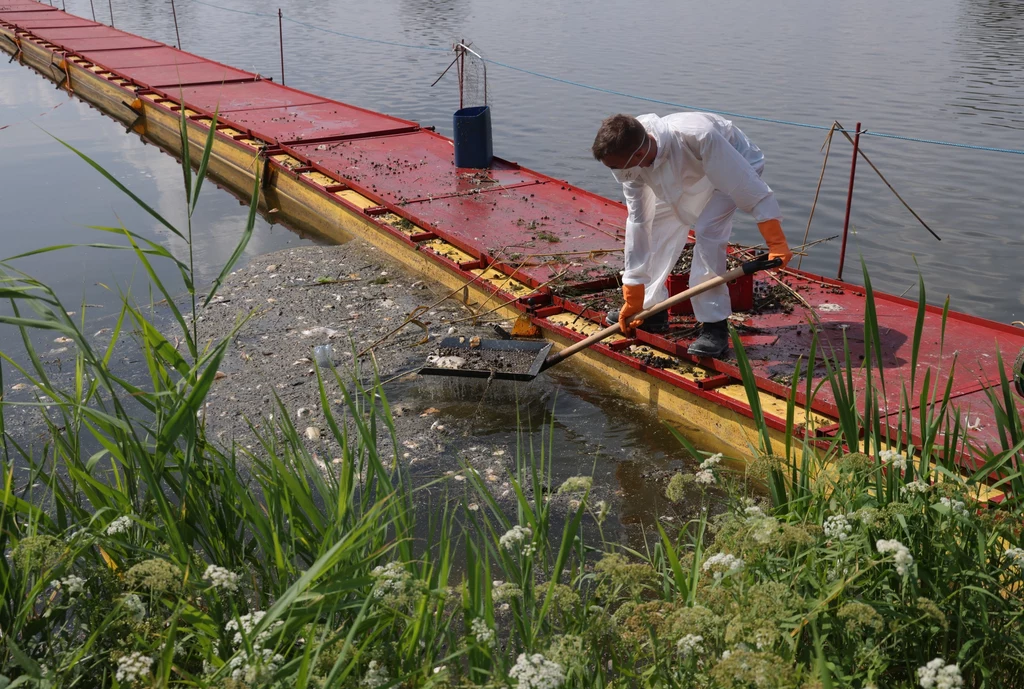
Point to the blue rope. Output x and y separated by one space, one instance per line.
622 94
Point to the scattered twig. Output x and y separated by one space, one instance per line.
828 147
891 188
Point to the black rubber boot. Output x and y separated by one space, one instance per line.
658 323
713 341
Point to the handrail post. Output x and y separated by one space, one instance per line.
849 202
280 38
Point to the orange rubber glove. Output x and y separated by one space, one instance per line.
634 304
771 230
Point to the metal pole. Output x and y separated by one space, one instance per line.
93 10
110 4
174 13
849 201
280 38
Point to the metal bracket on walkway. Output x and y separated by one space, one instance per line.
66 80
138 124
17 48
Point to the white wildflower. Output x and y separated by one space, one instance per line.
955 506
133 667
937 675
721 564
376 676
536 672
393 580
764 529
690 644
901 554
1015 556
72 585
222 578
135 607
256 668
712 461
518 536
753 512
705 477
914 487
837 527
246 624
483 634
119 526
894 459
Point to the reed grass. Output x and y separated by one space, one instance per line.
138 553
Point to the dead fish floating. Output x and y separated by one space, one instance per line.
452 362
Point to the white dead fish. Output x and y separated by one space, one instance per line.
453 362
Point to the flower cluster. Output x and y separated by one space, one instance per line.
838 527
392 581
483 634
1016 556
246 624
690 644
135 607
221 578
706 474
259 665
937 675
72 585
576 484
901 554
916 486
893 459
376 676
504 591
536 672
119 526
752 512
721 564
133 667
955 506
516 537
255 668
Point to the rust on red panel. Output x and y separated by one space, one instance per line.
235 97
317 121
188 74
141 57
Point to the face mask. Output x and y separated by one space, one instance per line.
628 174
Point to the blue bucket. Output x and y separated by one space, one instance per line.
473 137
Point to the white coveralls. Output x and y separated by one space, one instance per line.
704 169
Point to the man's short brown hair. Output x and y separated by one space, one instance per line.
618 135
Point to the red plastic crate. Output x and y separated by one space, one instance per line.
741 292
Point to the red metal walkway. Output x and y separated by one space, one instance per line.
518 220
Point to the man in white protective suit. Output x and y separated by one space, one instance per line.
686 169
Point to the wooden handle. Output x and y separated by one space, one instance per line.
733 274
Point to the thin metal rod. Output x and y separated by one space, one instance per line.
280 38
849 202
174 13
891 187
828 148
93 7
110 6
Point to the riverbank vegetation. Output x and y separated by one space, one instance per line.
137 553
